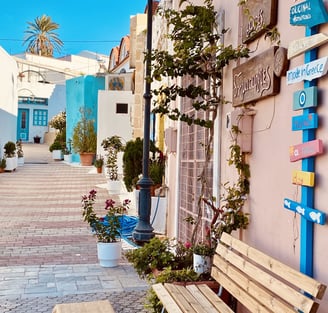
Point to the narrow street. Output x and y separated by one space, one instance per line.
47 253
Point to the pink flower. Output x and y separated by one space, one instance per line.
187 245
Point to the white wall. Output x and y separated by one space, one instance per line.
111 123
8 99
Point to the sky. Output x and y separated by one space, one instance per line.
97 25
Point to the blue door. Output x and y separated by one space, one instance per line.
23 124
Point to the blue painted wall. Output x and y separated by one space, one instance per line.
81 92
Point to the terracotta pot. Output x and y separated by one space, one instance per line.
99 170
86 158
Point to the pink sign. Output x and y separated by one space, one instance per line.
305 150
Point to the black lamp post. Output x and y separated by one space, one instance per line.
144 231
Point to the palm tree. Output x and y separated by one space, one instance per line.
41 37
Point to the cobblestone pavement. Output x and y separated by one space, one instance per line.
47 253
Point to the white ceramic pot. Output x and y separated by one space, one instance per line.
68 158
20 161
202 263
11 164
57 154
109 254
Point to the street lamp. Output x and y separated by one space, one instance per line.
144 231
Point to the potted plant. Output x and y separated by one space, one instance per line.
20 152
106 228
84 139
132 163
99 162
112 145
202 257
156 169
158 254
57 150
10 155
68 151
2 165
37 139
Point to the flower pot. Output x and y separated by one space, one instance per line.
68 158
2 170
109 254
86 158
99 170
37 139
202 263
57 155
20 161
11 164
114 186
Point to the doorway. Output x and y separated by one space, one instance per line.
23 124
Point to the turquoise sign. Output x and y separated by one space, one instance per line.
306 98
308 13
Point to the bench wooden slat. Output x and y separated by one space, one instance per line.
255 297
216 302
259 282
165 297
287 293
179 295
304 282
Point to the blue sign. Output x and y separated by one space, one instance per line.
308 13
312 215
305 121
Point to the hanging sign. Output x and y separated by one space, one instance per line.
303 178
308 13
260 15
305 121
299 46
310 214
256 79
308 71
306 98
305 150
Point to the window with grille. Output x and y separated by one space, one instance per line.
40 117
192 158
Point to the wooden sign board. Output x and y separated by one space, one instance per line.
305 121
255 79
306 98
308 13
302 45
257 17
303 178
310 214
308 71
305 150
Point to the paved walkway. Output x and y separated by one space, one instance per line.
47 253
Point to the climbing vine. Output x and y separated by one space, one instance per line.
199 56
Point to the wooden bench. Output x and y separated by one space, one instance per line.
84 307
254 279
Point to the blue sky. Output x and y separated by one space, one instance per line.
80 22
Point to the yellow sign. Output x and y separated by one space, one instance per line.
303 178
